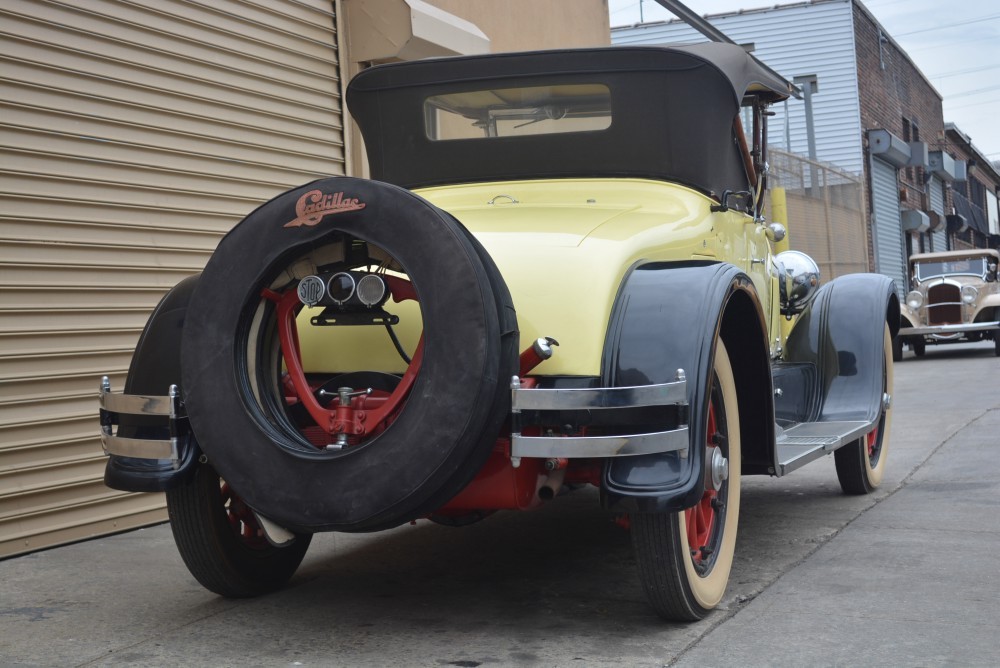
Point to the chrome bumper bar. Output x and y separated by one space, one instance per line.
601 398
169 407
930 330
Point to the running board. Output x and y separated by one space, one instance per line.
807 441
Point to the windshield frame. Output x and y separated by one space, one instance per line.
945 267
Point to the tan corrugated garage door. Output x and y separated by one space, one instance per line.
134 134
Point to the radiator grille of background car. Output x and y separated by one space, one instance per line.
944 305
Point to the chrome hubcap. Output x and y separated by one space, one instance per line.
719 468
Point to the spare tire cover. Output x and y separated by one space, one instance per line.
459 398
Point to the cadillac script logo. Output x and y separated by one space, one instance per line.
314 205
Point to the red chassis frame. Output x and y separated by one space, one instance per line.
498 485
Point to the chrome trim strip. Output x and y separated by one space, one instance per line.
957 336
949 329
539 399
136 404
599 446
113 404
142 448
599 398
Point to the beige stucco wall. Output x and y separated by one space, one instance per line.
510 25
520 25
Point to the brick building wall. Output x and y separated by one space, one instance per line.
895 96
982 182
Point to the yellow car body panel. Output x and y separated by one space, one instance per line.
563 248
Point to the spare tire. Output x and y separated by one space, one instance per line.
447 426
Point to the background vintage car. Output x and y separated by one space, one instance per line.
955 298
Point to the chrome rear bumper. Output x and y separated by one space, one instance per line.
601 398
169 407
114 404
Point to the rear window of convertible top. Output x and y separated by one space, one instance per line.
511 112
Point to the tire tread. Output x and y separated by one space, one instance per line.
851 470
659 570
212 552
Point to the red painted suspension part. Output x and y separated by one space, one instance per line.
242 520
365 415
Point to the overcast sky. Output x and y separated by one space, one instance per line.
955 43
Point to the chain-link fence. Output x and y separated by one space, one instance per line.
826 217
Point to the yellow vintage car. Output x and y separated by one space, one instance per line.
558 275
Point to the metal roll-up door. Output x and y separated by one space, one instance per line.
939 237
133 136
888 240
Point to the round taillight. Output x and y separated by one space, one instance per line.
371 289
340 287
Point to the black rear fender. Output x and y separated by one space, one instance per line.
156 365
668 316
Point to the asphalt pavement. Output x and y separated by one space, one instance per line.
907 576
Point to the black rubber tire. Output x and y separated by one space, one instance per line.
500 403
675 590
459 400
858 471
897 349
215 553
918 346
996 344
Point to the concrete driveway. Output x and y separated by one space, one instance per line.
907 576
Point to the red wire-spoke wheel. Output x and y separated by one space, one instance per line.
861 464
871 442
684 559
702 518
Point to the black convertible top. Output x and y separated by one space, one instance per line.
663 113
